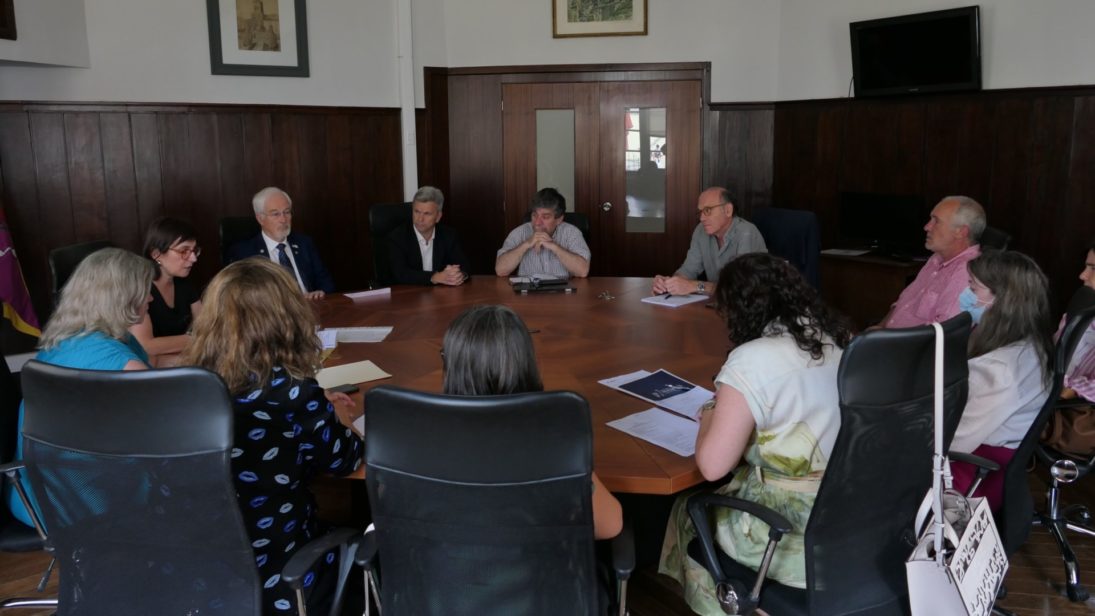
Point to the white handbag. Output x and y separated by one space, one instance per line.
959 562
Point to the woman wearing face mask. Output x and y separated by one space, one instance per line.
1009 363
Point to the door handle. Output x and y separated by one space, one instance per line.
606 206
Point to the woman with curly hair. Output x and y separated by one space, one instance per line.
258 333
776 409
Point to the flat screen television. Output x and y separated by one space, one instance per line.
938 51
890 225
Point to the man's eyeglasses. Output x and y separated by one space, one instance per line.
706 211
279 214
186 251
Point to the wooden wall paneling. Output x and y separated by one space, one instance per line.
318 218
285 146
1078 211
258 159
148 172
958 149
883 148
738 154
339 211
21 206
475 166
808 146
378 178
204 188
47 132
234 190
434 148
175 166
1010 155
123 214
87 187
825 201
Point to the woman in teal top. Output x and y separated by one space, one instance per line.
106 295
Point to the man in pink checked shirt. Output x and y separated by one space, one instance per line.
953 233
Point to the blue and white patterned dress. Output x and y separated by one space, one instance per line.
285 434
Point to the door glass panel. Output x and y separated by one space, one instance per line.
555 152
645 167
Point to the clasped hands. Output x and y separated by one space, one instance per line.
673 285
451 276
540 239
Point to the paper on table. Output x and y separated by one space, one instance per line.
386 291
665 430
328 338
674 301
664 389
362 334
359 425
845 252
357 372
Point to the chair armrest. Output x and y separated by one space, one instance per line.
365 553
294 570
982 464
11 471
10 468
623 552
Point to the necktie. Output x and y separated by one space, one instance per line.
285 262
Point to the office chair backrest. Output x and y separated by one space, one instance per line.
63 261
579 220
482 505
794 235
383 219
131 472
880 468
235 229
1017 505
995 238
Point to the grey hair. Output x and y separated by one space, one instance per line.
105 294
429 193
259 200
969 214
487 351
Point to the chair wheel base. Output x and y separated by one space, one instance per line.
1076 593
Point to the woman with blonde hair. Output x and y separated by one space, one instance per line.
258 333
104 297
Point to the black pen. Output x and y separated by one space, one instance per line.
667 295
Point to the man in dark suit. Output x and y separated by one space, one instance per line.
277 242
424 252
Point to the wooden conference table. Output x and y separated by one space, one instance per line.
580 338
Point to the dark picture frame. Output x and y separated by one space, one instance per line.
285 60
577 18
7 19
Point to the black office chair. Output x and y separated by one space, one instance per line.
1063 468
794 235
579 220
383 219
995 238
14 535
132 475
876 478
483 505
63 261
235 229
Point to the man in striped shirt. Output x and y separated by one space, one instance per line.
546 245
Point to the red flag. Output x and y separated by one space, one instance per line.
13 289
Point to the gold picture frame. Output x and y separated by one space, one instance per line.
574 18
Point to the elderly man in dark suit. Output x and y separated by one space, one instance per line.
294 251
424 252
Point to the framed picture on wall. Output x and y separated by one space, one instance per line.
598 18
7 19
258 37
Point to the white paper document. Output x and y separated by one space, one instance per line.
665 430
359 425
664 389
361 334
385 292
357 372
674 301
846 252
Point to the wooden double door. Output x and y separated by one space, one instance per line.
609 163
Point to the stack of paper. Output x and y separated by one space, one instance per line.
665 430
385 292
357 372
674 301
676 430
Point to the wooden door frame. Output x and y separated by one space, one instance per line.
463 116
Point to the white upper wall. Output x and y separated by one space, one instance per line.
152 50
760 50
738 37
1023 44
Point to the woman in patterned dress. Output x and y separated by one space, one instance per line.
257 332
775 412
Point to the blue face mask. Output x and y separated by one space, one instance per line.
968 302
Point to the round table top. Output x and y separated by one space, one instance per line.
600 331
